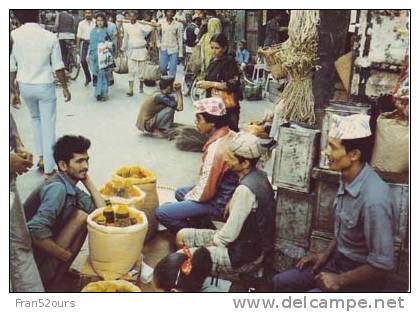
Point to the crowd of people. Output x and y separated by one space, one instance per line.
48 230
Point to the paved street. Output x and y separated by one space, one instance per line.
115 139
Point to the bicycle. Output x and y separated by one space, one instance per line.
73 60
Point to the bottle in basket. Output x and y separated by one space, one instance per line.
122 216
109 213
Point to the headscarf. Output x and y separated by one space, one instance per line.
214 26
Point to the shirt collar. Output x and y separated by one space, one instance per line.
356 185
70 188
216 135
32 25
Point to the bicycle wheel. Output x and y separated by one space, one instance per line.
74 65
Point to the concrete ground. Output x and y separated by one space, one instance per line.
116 142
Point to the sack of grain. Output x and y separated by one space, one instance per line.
392 142
113 251
129 195
111 286
121 63
146 181
151 71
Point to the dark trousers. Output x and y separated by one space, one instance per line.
83 61
294 280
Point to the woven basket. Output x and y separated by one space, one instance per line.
273 61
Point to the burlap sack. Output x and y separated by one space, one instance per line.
151 71
113 251
121 63
132 201
392 142
146 181
111 286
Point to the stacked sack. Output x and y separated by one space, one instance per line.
145 180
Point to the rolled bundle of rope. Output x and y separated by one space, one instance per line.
299 60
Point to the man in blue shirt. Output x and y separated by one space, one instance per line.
362 251
57 210
242 55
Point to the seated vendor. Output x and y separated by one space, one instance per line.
158 110
243 57
216 184
248 234
56 211
362 251
183 272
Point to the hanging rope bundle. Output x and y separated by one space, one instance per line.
299 59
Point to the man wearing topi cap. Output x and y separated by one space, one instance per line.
362 250
216 183
248 233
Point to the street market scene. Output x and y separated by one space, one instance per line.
209 150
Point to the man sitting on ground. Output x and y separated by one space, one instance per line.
216 183
362 251
57 210
248 234
158 110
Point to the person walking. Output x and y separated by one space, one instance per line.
170 44
98 35
134 43
82 43
32 63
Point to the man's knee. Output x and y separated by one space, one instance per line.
279 281
180 194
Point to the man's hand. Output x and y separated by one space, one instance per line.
328 281
177 86
19 164
226 211
64 256
15 99
317 260
66 94
25 154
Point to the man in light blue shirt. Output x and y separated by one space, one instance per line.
57 210
362 251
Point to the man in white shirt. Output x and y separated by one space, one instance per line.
248 234
35 55
134 43
82 41
170 43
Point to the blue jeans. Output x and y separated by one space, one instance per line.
42 103
294 280
187 213
165 59
176 216
165 118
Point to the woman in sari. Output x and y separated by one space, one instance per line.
99 35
